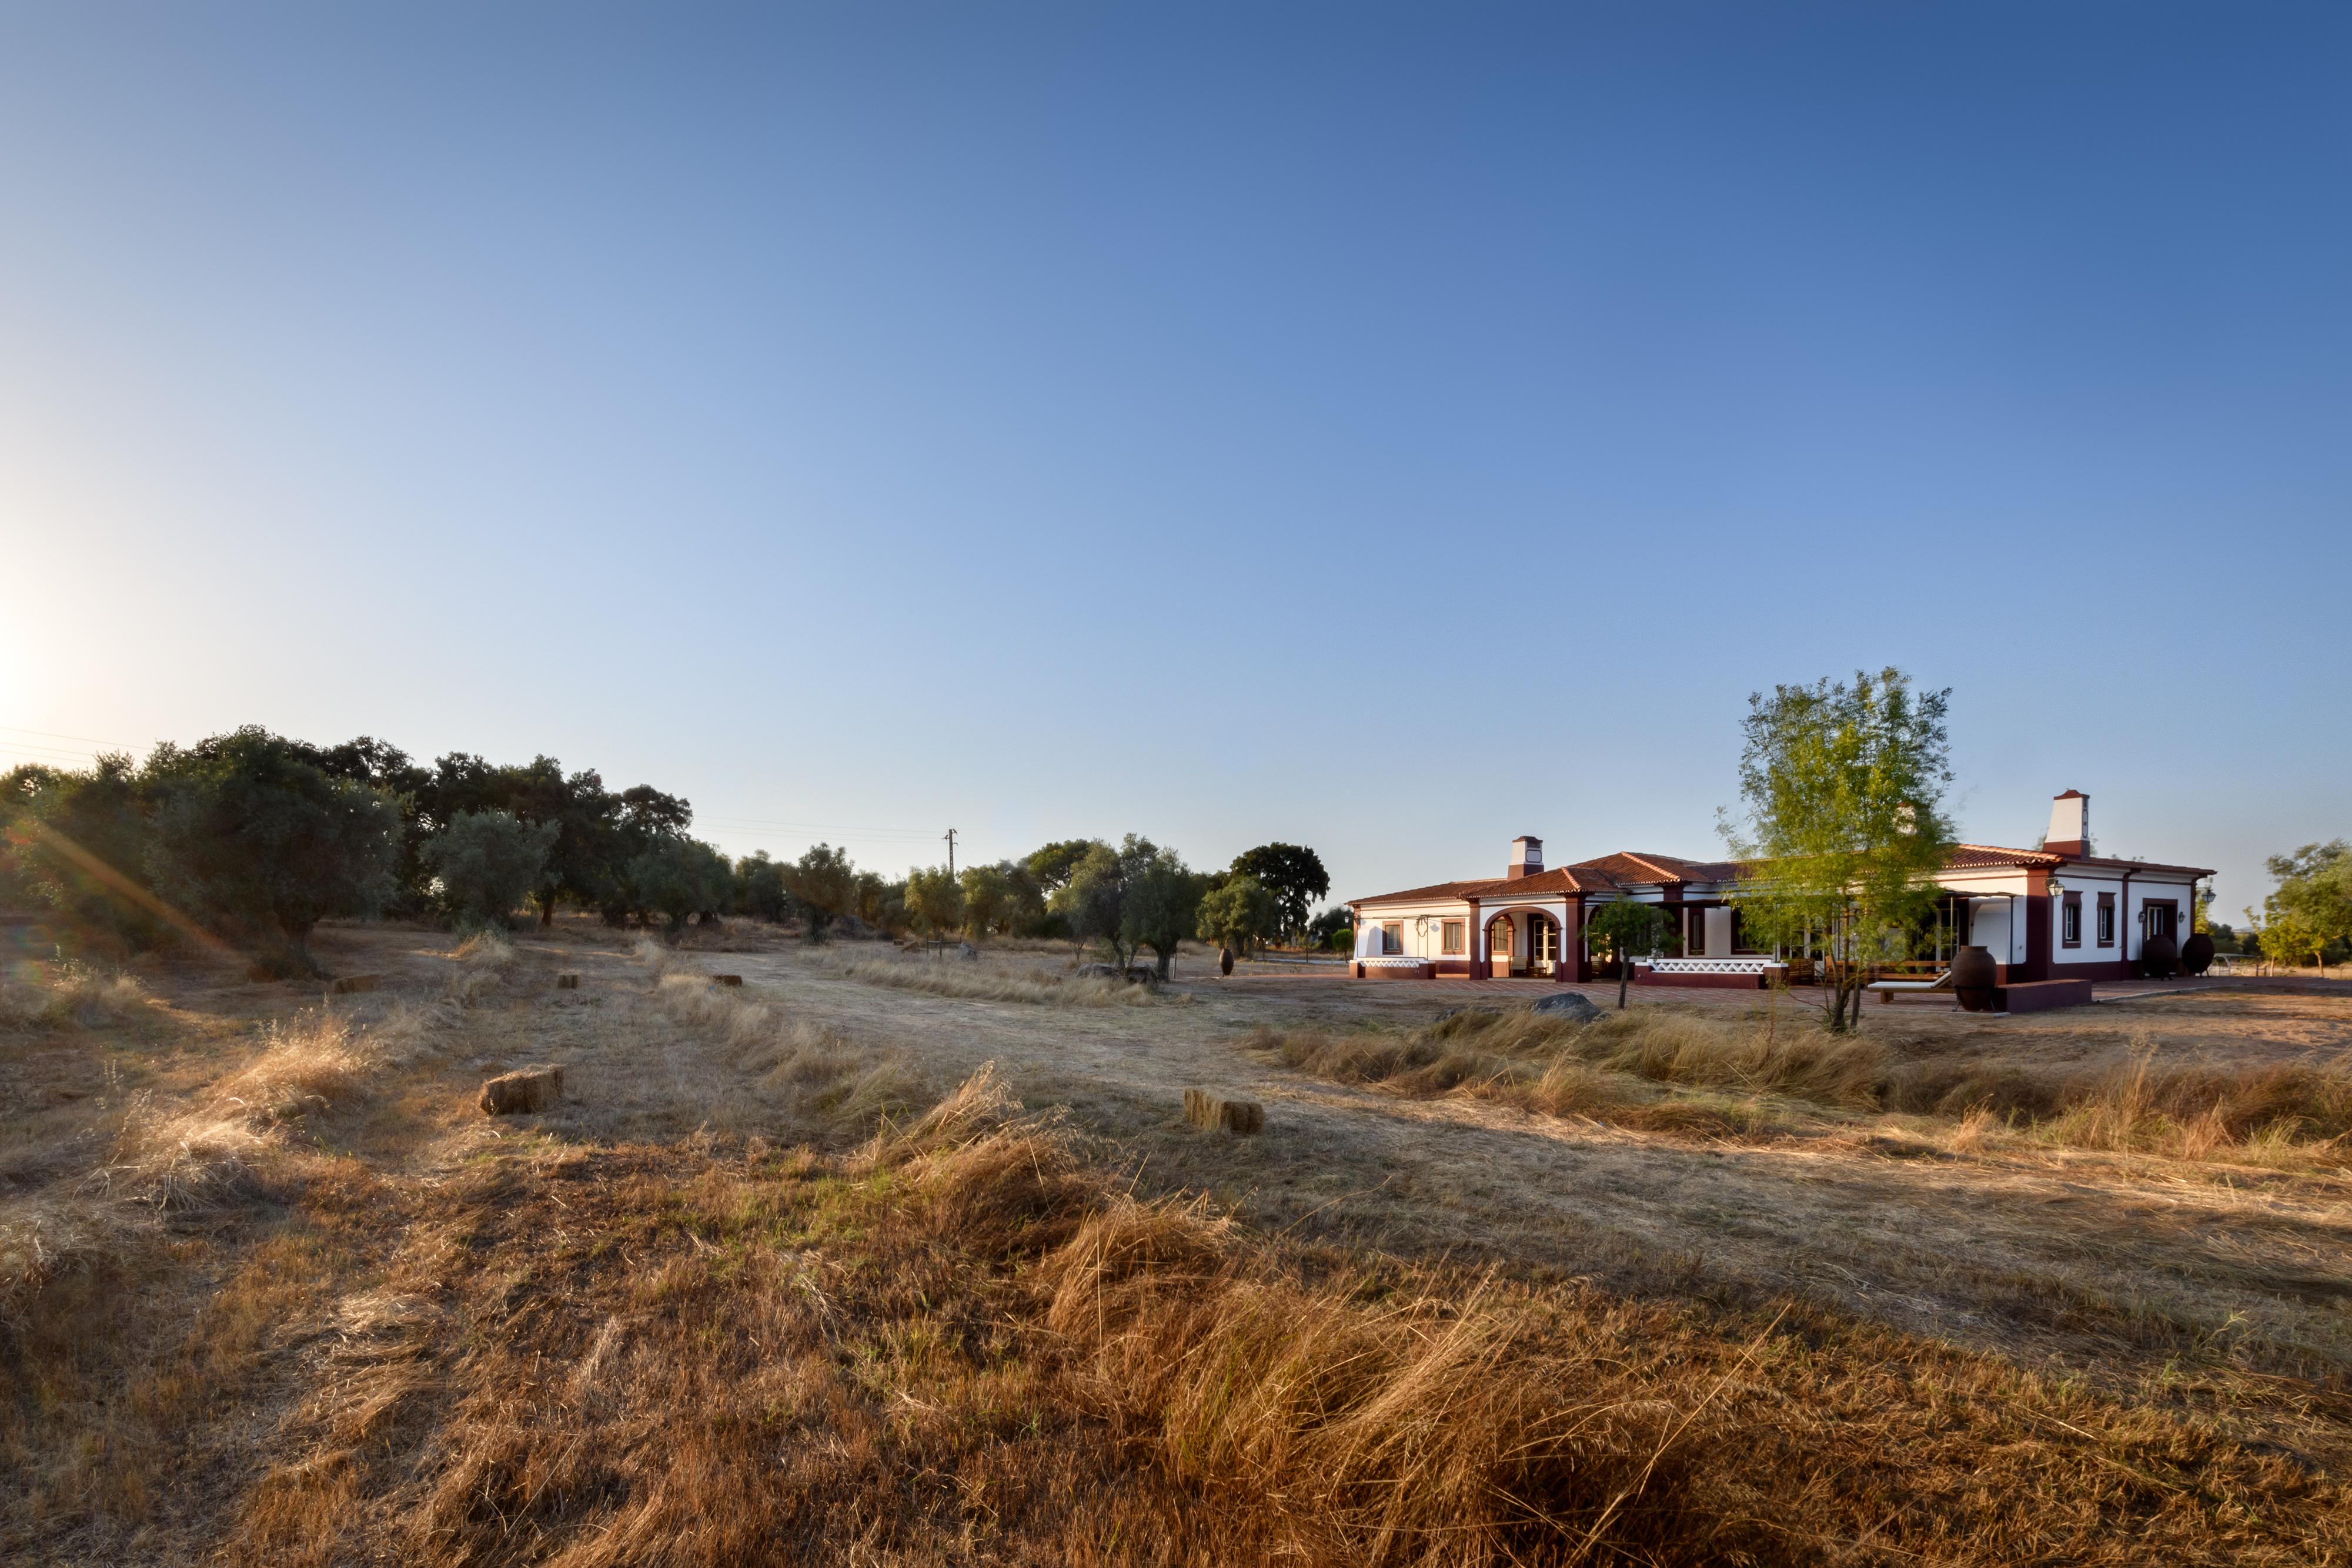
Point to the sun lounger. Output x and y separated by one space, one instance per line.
1913 990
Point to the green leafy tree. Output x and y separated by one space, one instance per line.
1238 913
1053 866
486 863
760 890
586 818
381 765
1625 931
675 877
934 900
1293 874
1327 929
992 900
824 885
1842 787
881 904
80 844
1162 902
257 840
2312 907
1093 899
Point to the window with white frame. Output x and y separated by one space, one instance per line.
1450 939
1392 938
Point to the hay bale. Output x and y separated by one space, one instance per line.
350 983
526 1089
1212 1112
567 982
725 979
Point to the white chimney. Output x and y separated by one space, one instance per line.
2069 825
1526 857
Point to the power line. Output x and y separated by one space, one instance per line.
53 735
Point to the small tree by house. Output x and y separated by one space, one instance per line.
1626 930
486 863
1238 913
1841 790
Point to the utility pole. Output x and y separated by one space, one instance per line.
952 833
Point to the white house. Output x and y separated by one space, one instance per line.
2056 912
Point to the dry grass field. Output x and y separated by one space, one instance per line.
884 1258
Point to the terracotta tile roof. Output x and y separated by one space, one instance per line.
1979 857
1418 895
1558 881
2102 863
1615 873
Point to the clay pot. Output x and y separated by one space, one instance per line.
1225 961
2159 958
2197 954
1974 977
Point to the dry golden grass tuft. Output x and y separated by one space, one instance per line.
1663 1071
1753 1075
948 979
68 993
821 1073
2271 1114
479 965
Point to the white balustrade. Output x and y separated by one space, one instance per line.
1709 965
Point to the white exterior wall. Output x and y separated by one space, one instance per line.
1996 910
1430 943
1417 943
2134 891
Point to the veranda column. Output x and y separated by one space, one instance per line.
1478 943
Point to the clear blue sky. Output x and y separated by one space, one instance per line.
1388 429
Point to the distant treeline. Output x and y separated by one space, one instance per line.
250 838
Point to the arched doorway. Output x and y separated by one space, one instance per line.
1525 942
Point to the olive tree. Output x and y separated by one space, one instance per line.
992 899
256 840
486 862
79 844
935 899
1093 899
825 887
676 876
760 890
1162 900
